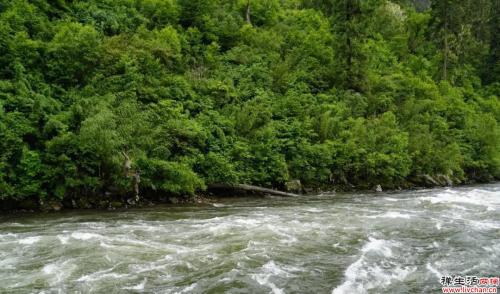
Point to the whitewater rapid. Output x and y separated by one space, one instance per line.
396 242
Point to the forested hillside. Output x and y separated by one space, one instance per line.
168 96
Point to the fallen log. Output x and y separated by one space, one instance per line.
249 188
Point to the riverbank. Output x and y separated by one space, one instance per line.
109 201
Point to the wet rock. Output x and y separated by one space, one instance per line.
293 186
444 180
50 205
82 202
116 204
429 181
174 200
425 181
103 204
56 206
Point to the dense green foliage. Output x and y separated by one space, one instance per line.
194 92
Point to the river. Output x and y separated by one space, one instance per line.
395 242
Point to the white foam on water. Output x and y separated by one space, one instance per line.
94 225
63 239
264 281
8 235
364 274
140 227
85 236
101 275
218 205
484 225
139 269
431 269
456 206
127 240
30 240
137 287
481 197
105 245
378 246
49 268
495 249
271 269
250 222
58 272
113 276
89 277
350 285
285 233
230 225
16 225
316 210
391 214
189 288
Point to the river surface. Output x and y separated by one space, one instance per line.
399 242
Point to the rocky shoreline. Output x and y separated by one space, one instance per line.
113 202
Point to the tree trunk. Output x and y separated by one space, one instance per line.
127 165
445 61
249 188
136 178
247 14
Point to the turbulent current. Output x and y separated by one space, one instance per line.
398 242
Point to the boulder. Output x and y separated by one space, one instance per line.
50 205
81 202
293 186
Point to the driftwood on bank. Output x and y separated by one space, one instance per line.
249 188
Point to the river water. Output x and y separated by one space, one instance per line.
399 242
